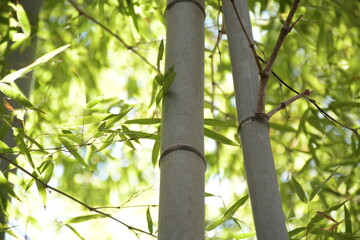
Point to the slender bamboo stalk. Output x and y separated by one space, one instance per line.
182 165
254 130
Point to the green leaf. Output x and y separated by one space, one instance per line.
236 206
228 214
348 224
109 140
23 20
219 123
320 186
93 118
6 186
165 83
94 102
4 148
17 95
18 136
84 218
73 151
299 190
43 59
149 220
143 121
219 138
74 231
160 54
155 153
42 191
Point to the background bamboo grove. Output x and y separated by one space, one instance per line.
92 126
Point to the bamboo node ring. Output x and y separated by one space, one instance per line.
182 147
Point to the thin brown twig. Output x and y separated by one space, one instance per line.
117 37
283 105
285 30
322 111
92 209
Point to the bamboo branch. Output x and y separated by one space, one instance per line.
117 37
322 111
283 105
285 29
92 209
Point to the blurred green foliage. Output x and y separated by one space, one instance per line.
97 135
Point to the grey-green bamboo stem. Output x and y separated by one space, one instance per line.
254 132
181 211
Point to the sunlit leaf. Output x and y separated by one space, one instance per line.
107 142
299 190
73 151
319 187
43 59
94 102
144 121
348 224
218 137
149 221
218 123
160 54
231 211
155 153
23 20
6 186
15 94
84 218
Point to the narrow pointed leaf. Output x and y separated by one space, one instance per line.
23 20
319 187
348 224
84 218
299 190
6 186
73 151
236 206
160 54
41 60
155 153
149 220
144 121
17 95
218 137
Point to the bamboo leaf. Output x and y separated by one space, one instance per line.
160 54
218 123
108 142
219 138
6 186
42 191
84 218
319 187
43 59
155 153
74 231
94 102
149 220
73 151
236 206
299 190
348 224
228 214
4 148
143 121
23 20
17 95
